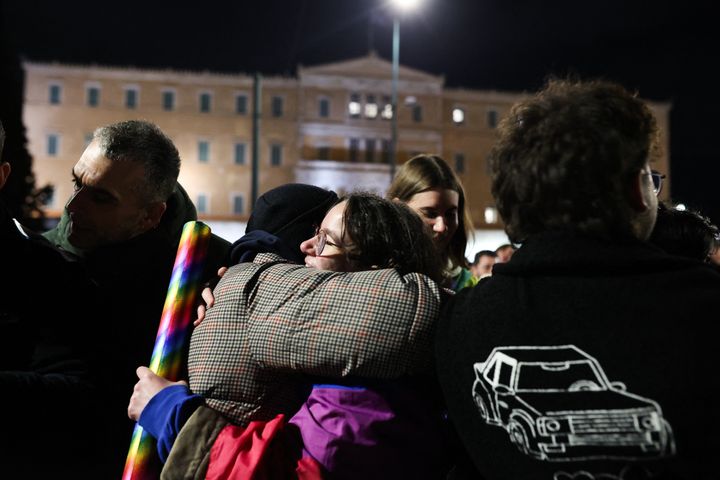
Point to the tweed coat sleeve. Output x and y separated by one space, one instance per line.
374 324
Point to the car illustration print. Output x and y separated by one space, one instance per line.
556 404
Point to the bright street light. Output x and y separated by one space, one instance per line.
405 5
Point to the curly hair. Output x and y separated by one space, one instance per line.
565 158
143 142
387 234
428 172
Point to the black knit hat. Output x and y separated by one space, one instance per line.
291 213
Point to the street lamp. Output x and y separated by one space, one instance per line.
401 6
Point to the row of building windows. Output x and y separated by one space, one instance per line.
52 143
237 203
370 109
131 99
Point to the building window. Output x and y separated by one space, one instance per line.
491 215
168 100
54 93
458 116
371 107
354 106
240 153
417 113
87 139
203 151
324 108
387 111
323 153
275 154
492 118
241 104
93 96
53 144
131 98
386 153
205 102
353 150
277 106
460 162
370 150
202 203
238 204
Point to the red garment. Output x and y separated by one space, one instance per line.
264 450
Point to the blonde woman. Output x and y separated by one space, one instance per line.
427 184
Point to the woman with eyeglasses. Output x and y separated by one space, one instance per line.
387 427
358 428
428 185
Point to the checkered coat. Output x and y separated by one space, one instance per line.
273 322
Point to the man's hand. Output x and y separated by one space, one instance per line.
146 388
209 299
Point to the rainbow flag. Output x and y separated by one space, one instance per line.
142 462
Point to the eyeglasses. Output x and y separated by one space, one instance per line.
657 179
322 240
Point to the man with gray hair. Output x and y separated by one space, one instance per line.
124 221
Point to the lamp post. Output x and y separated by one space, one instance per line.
394 96
401 6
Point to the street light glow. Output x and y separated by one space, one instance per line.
406 5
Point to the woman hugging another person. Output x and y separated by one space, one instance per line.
363 338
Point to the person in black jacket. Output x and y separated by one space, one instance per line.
48 389
590 354
124 222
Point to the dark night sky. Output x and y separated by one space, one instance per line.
664 49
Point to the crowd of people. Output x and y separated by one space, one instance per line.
351 338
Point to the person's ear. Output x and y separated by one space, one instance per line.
4 173
639 190
396 200
153 215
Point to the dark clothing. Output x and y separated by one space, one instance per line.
133 279
585 356
47 389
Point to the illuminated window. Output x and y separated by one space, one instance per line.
491 215
458 116
354 106
371 108
387 112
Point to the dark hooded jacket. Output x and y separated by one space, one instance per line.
46 383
